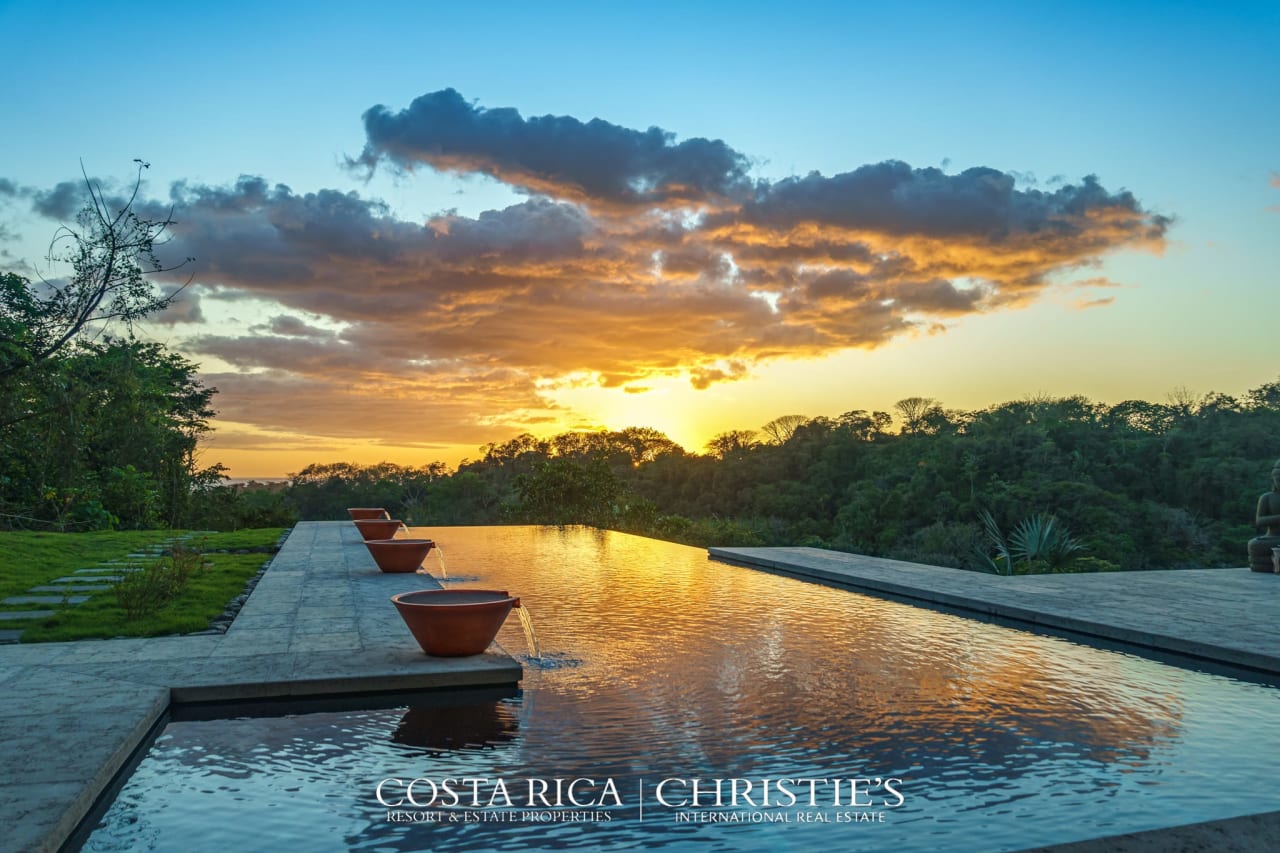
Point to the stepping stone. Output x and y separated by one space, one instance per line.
93 579
15 615
96 587
96 569
10 635
45 599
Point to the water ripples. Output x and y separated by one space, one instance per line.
658 663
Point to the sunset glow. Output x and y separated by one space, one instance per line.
416 236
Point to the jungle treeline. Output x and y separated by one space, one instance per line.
1134 485
98 429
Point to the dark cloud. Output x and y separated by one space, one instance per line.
299 356
250 191
982 204
845 284
940 297
62 202
251 234
185 307
558 156
282 324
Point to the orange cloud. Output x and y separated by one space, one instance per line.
636 257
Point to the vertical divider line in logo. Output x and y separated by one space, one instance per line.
641 787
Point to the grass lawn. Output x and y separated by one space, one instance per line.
35 559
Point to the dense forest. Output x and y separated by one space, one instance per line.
100 431
97 428
1134 485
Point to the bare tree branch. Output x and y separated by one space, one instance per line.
111 254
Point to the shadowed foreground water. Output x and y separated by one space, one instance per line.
660 665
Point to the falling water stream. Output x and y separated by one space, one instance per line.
530 635
444 573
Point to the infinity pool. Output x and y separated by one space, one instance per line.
819 716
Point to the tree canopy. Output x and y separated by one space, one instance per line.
96 429
1131 485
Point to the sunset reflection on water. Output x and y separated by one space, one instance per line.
662 664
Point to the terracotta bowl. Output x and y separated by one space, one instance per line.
359 512
451 623
378 528
399 555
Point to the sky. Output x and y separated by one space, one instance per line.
420 228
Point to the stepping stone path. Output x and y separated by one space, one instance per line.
71 587
46 599
25 614
99 578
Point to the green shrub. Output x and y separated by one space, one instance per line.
1089 564
143 592
1039 544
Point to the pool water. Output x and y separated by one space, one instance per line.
662 665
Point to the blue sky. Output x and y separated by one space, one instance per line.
1171 102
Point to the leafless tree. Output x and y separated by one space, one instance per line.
915 412
781 429
111 251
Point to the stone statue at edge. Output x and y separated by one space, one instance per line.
1269 517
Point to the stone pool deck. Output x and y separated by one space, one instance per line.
318 623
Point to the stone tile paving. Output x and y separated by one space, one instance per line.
319 622
65 753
